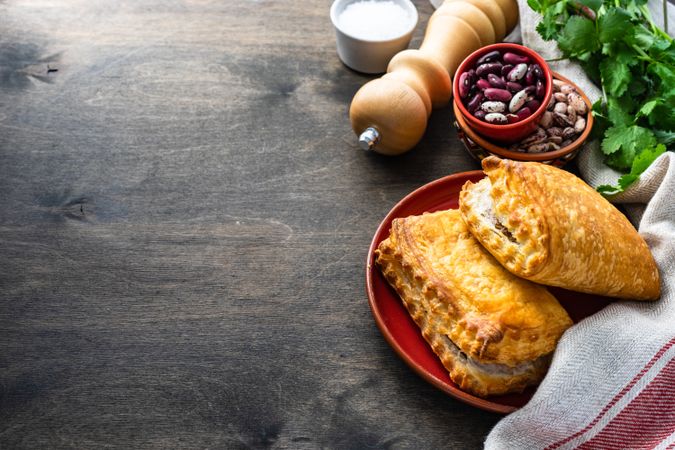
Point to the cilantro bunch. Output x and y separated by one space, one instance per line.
633 60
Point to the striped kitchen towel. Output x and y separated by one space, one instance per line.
611 384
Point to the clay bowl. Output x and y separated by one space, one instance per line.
512 132
480 147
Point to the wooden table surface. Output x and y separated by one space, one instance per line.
184 221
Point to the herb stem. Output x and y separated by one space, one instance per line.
642 53
562 58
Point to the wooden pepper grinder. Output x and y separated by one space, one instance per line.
390 114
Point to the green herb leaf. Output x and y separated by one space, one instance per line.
665 137
548 28
644 159
623 143
618 110
647 108
615 76
578 37
640 37
534 4
665 73
607 189
641 162
613 25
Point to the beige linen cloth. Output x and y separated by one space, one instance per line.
612 380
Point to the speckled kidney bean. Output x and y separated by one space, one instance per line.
502 87
518 101
517 73
496 81
496 117
493 106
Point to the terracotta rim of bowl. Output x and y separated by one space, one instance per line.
544 156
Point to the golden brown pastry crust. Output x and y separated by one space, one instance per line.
493 331
548 226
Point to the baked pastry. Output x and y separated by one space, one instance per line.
548 226
494 332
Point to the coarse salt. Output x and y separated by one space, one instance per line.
374 20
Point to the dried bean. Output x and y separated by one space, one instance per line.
562 120
529 76
501 95
464 84
557 84
568 133
560 97
551 104
489 57
538 136
480 114
506 69
540 89
567 89
512 58
554 131
571 114
560 108
474 103
496 81
518 101
555 139
546 119
577 102
541 147
493 107
484 69
517 73
533 104
496 117
523 113
483 84
538 73
513 86
580 125
512 118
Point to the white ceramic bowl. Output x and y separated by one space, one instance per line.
365 55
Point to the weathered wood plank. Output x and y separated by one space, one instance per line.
184 218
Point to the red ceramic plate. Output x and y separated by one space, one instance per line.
398 327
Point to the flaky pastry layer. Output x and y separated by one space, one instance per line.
548 226
494 332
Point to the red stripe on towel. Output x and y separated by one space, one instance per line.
616 398
646 421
